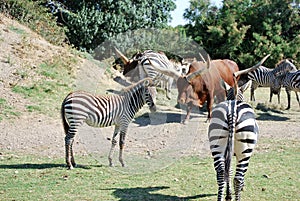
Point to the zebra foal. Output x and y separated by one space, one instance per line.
232 130
102 111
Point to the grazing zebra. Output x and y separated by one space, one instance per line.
265 77
103 111
139 67
291 82
232 131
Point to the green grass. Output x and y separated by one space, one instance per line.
47 92
273 175
7 111
17 30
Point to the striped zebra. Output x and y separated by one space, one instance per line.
232 131
265 77
103 111
139 67
291 82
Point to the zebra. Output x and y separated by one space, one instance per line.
232 130
102 111
265 77
291 82
139 67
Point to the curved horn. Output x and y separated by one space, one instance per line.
202 58
208 61
238 73
124 59
168 72
199 72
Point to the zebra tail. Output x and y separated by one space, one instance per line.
231 129
65 123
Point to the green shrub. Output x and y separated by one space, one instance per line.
36 17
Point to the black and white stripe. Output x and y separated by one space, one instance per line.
232 130
291 82
265 77
103 111
145 68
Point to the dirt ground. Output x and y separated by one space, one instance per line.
152 139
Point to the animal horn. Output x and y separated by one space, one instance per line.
169 72
201 71
202 58
195 74
208 61
124 59
238 73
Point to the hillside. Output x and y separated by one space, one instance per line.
35 76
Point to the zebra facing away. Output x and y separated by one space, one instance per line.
265 77
232 131
291 82
102 111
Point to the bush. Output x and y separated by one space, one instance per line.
34 15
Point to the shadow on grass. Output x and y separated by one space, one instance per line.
146 193
266 116
41 166
269 113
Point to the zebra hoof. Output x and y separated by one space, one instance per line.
70 167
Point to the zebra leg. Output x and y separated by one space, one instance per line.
69 139
113 145
297 97
253 87
252 98
238 185
220 170
168 93
228 186
271 95
122 144
288 93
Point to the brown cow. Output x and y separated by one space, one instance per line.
207 86
204 79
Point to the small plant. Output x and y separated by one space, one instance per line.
6 111
16 30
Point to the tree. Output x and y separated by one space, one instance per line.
90 22
246 30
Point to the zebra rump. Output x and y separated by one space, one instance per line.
232 130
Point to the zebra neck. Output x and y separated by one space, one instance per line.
135 99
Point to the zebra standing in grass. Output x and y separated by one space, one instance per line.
139 67
232 130
103 111
266 77
291 82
